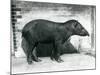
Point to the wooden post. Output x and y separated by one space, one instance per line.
93 20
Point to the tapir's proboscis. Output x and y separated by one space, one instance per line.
45 31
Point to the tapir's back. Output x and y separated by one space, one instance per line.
41 29
40 23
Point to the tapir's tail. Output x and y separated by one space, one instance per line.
23 33
27 36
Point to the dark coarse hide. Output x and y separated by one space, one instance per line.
47 32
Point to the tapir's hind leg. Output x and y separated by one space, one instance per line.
53 52
27 49
29 53
25 45
34 55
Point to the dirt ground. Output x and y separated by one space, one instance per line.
71 62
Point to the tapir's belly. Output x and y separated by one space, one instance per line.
45 36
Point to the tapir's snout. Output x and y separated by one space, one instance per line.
84 33
88 34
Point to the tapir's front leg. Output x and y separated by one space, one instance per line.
58 47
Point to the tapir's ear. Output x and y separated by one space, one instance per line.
75 24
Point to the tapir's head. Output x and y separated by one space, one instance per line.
77 28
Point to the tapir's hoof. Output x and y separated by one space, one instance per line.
59 60
52 58
38 60
29 62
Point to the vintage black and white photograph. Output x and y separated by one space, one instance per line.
52 37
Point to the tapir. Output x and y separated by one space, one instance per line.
45 31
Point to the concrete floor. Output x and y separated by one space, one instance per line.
71 62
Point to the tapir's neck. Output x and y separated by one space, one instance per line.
66 32
68 35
